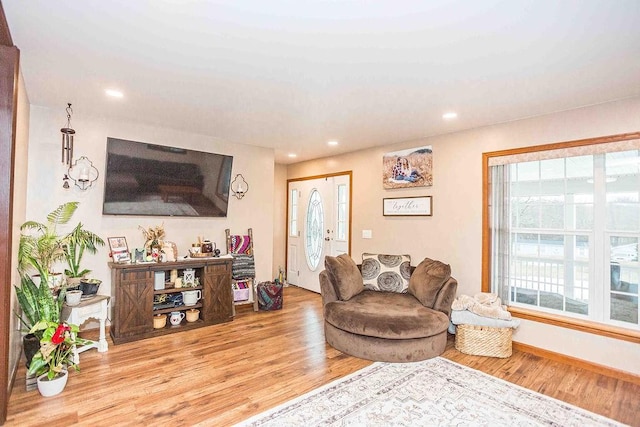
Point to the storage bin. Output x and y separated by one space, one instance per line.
269 296
240 295
484 340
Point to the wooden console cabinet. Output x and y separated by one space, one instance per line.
133 293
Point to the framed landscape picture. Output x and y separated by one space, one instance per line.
408 168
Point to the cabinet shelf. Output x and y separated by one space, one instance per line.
171 290
178 308
132 292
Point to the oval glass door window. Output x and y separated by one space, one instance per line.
315 227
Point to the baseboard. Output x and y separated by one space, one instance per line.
578 363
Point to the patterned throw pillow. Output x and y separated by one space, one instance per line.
389 273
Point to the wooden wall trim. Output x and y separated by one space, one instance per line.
307 178
9 74
9 60
579 363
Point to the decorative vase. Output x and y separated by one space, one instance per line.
49 388
31 345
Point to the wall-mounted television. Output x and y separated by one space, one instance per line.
149 179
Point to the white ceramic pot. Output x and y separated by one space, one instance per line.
73 297
191 297
49 388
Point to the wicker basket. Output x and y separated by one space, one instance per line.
483 340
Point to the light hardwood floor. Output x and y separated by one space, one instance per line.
220 375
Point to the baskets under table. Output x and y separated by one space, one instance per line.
483 340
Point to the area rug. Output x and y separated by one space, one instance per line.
435 392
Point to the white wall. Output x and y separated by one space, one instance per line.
454 233
45 190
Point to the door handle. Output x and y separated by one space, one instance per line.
327 239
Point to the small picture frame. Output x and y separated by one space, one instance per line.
407 206
119 249
139 254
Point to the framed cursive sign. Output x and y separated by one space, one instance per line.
407 206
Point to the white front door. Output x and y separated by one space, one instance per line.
318 225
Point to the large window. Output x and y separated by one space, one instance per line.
564 226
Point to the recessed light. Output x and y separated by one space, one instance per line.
292 155
450 115
332 143
114 93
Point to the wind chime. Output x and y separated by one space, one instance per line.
67 139
67 145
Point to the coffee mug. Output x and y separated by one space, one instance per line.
191 297
176 317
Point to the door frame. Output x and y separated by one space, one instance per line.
308 178
9 75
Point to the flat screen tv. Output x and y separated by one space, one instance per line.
148 179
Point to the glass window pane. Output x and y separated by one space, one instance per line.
552 169
552 212
579 166
624 278
623 211
528 171
622 163
314 230
293 220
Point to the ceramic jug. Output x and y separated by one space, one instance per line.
191 297
176 317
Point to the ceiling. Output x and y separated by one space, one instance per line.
295 74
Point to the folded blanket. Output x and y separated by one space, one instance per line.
243 267
464 317
482 304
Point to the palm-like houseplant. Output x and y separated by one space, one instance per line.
74 245
40 245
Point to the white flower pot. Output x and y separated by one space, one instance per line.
49 388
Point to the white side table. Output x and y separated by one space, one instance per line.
91 308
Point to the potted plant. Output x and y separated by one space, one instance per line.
37 303
55 356
74 245
40 245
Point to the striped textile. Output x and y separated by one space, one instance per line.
240 245
243 267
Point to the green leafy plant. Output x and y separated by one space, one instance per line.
38 303
56 348
74 245
40 245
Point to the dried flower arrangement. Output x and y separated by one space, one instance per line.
153 236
